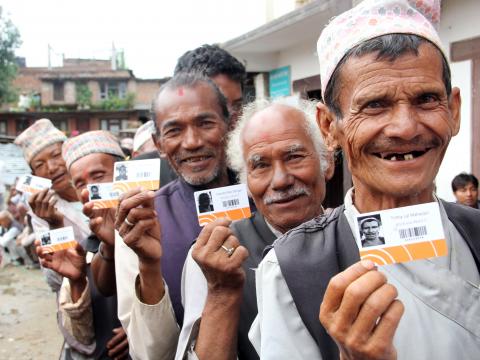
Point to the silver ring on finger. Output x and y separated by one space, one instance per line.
128 222
229 251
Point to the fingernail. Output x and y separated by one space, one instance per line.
368 264
151 193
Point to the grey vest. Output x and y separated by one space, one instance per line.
310 255
254 234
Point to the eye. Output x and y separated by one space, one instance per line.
428 99
295 156
375 104
171 131
206 123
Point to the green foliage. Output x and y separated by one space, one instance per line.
9 41
116 103
83 95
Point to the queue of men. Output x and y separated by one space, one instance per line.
146 281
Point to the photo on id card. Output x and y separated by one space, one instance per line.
103 195
225 202
128 175
401 234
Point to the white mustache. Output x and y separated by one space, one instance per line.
287 194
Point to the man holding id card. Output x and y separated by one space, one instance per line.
390 106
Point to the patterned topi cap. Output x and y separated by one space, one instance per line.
371 19
143 133
91 142
37 137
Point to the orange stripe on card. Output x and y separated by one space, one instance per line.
406 252
235 214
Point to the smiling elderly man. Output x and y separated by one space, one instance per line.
278 151
157 229
390 106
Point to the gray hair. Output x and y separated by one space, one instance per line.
307 107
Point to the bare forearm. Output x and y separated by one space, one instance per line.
152 289
217 337
103 270
77 287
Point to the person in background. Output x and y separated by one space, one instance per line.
143 141
465 189
223 69
10 230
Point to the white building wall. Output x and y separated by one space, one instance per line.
459 153
459 21
302 59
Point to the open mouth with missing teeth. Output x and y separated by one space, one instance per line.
391 156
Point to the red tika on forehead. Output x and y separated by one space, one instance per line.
180 91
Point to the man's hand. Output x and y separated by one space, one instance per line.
118 345
361 313
102 221
224 273
143 235
43 205
70 263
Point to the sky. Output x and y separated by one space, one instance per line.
153 34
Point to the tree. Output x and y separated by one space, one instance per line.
9 41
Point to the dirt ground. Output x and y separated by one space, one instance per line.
28 328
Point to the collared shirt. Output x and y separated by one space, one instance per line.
440 294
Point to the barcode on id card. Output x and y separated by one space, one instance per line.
143 174
412 232
231 202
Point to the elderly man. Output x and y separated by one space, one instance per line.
390 106
191 120
89 158
278 151
465 189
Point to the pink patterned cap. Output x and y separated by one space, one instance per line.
373 18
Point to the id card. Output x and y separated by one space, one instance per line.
401 234
56 240
128 175
103 195
226 202
31 184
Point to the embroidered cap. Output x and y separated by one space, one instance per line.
371 19
37 137
143 133
91 142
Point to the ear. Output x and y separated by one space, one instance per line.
455 103
158 145
326 123
331 166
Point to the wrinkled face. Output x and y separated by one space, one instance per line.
397 122
370 230
192 133
91 169
283 168
232 90
50 164
467 195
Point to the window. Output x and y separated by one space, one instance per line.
113 125
3 127
113 89
21 125
60 125
58 91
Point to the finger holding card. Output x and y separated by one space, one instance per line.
361 313
43 205
138 225
102 220
220 256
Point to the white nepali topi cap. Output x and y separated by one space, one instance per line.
143 133
91 142
37 137
371 19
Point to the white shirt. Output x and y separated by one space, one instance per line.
152 330
451 316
